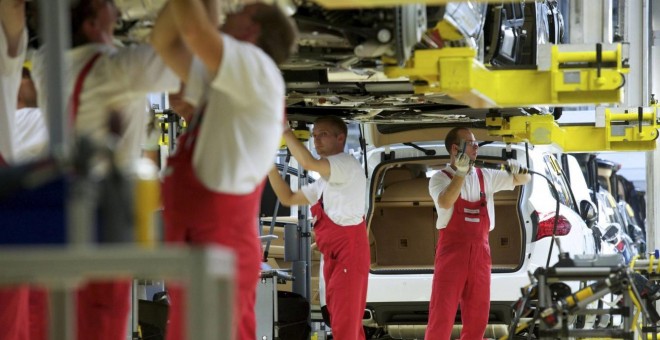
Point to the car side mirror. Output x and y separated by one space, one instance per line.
611 232
588 212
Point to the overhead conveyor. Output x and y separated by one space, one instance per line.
565 75
339 4
616 129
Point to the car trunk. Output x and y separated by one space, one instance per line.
402 218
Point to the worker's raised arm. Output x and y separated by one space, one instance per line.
12 20
304 157
167 41
448 196
199 31
283 191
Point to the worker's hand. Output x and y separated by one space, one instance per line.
515 168
462 165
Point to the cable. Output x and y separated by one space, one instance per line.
556 220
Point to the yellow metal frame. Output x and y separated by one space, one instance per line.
457 73
337 4
620 131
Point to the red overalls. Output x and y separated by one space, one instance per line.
346 263
462 271
193 214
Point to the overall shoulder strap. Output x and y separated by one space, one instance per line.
80 80
447 173
482 187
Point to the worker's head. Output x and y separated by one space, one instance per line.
27 93
329 135
454 139
93 21
265 26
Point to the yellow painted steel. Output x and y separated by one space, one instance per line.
457 73
302 135
147 200
619 132
383 3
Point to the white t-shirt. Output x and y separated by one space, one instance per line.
494 181
10 79
31 135
118 82
242 123
344 193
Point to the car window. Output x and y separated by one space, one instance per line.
556 176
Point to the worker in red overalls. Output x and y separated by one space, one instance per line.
339 226
213 182
463 197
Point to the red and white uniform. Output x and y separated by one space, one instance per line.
341 236
214 180
118 81
462 260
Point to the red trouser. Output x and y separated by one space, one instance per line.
196 215
103 308
346 262
14 313
23 313
462 272
38 313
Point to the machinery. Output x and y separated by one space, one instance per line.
549 304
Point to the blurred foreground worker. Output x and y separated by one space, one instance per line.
23 136
339 227
213 182
103 79
463 197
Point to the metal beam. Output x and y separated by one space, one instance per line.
566 75
55 30
618 130
338 4
207 272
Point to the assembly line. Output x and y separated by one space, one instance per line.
423 183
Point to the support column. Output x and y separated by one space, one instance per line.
653 158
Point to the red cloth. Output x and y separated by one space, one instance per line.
103 308
346 262
462 271
38 303
196 215
14 313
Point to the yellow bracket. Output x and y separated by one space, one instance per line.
621 131
457 73
340 4
302 135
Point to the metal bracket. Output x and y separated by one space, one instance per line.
621 130
566 75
